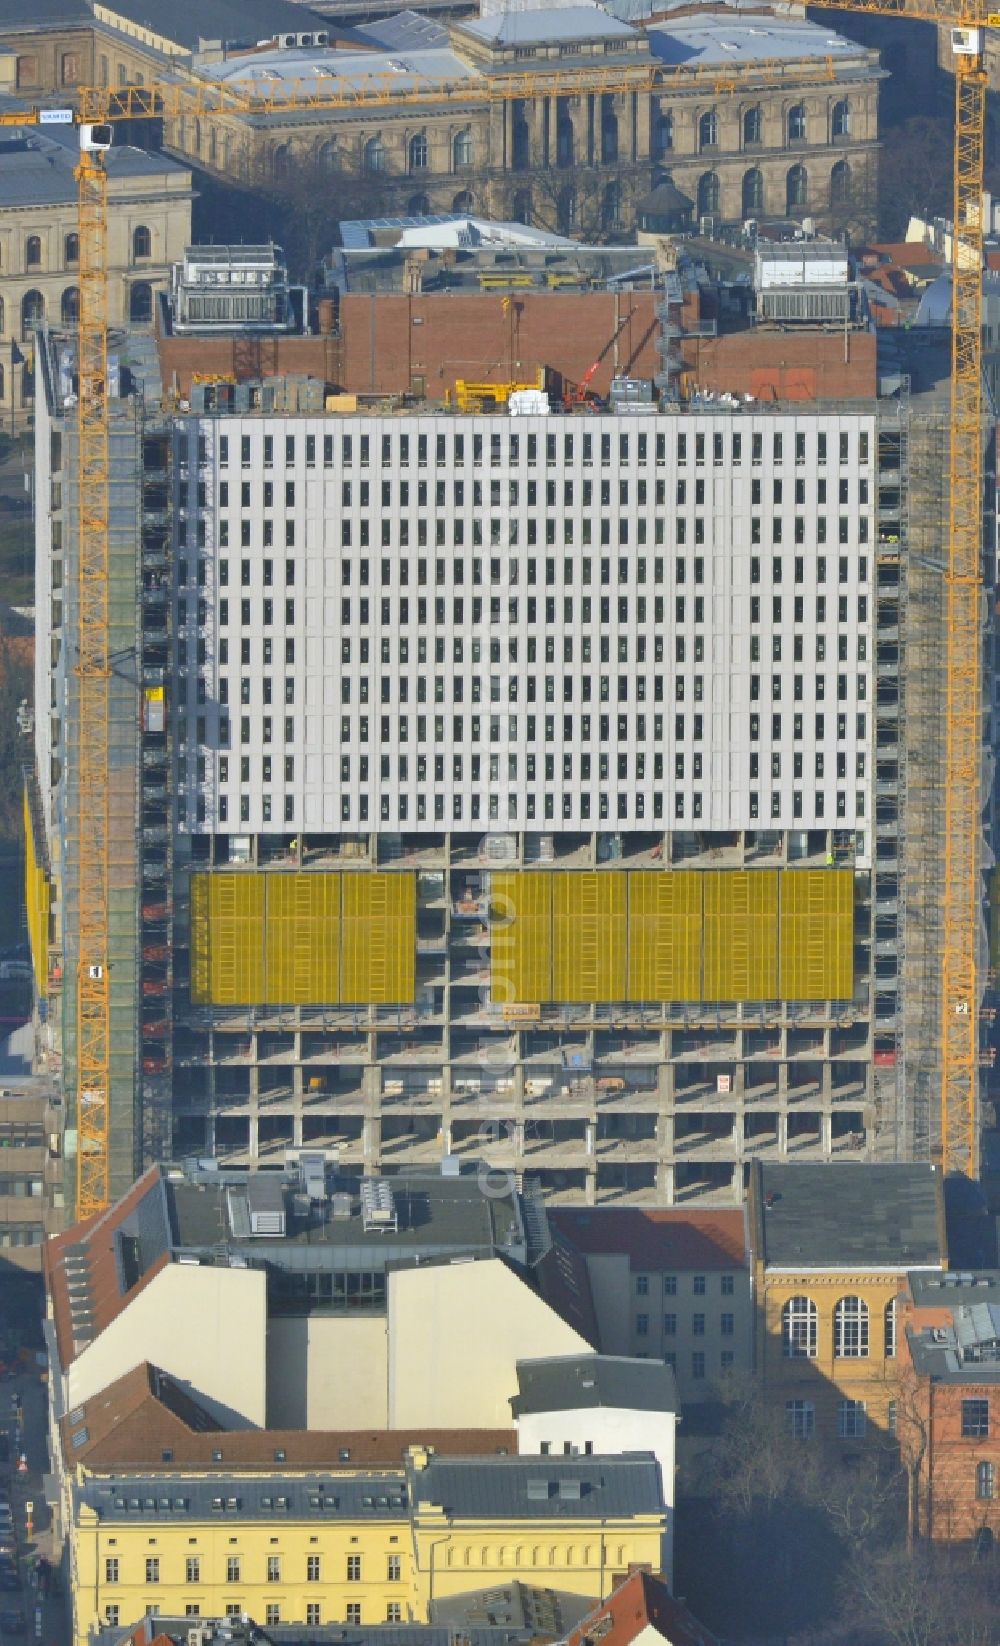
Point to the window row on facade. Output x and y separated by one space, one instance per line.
602 494
851 1336
506 447
35 249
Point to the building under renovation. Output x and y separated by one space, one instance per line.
543 783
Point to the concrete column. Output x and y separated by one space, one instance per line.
782 1132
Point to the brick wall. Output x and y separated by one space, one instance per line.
392 341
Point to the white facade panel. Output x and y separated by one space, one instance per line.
443 622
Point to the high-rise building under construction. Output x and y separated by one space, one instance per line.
513 785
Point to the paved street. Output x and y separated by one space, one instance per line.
46 1620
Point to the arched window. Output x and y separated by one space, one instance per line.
32 312
840 183
418 205
708 194
326 156
799 1329
753 192
796 187
280 163
850 1329
463 201
373 155
708 129
70 306
797 123
840 119
461 149
985 1482
753 127
890 1328
33 251
140 303
567 211
70 68
71 249
142 243
522 208
418 152
611 206
663 132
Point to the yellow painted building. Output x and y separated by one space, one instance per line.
831 1247
355 1547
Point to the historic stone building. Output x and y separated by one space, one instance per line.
149 224
757 117
749 120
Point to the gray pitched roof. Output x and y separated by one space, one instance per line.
188 22
568 1382
518 1488
842 1215
43 14
546 25
38 170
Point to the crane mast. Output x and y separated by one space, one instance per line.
92 671
959 1032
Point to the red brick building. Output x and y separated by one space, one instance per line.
948 1405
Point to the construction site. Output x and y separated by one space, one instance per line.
626 941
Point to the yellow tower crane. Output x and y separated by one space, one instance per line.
99 108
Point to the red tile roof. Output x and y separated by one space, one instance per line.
87 1250
641 1601
132 1422
654 1239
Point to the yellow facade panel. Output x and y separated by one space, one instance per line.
741 935
816 934
588 936
379 941
302 947
37 896
236 939
521 938
201 984
665 930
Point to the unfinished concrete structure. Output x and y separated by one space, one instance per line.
534 788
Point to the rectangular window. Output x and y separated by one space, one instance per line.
975 1419
852 1419
728 1325
698 1365
670 1325
728 1285
698 1286
111 1571
393 1612
312 1614
670 1285
642 1325
698 1325
193 1571
800 1417
112 1615
274 1568
642 1285
354 1611
313 1568
394 1569
153 1569
233 1569
272 1614
354 1568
